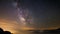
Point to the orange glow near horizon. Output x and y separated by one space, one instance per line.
13 27
7 26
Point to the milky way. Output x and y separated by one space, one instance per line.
24 16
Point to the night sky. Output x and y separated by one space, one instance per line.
45 14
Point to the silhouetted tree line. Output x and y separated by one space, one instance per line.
55 31
4 32
52 31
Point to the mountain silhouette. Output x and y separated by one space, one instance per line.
4 32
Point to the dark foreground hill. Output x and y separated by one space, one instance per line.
4 32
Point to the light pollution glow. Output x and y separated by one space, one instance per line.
14 27
11 26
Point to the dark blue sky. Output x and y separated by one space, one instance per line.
46 13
